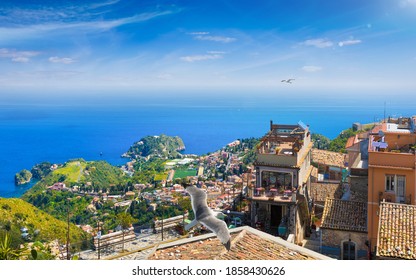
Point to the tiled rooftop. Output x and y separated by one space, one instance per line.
246 244
350 142
397 231
328 158
320 191
345 215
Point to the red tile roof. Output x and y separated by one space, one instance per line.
246 244
345 215
328 157
350 142
397 231
320 191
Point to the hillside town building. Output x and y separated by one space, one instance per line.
281 193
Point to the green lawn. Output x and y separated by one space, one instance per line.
72 170
182 173
160 177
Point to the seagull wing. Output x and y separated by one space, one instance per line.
219 228
205 215
191 225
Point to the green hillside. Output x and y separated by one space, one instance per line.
162 146
16 213
87 175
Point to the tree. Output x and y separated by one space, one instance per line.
320 141
125 220
338 144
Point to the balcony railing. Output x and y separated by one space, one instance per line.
273 195
393 198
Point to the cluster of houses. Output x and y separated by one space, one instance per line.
358 205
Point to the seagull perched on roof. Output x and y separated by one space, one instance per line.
207 217
289 81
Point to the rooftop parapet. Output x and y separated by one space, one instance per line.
284 145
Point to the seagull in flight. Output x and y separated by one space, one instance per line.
207 217
289 81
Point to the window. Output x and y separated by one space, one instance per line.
276 179
390 183
397 185
348 250
401 188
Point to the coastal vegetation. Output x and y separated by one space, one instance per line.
41 170
18 217
84 176
161 146
146 171
22 177
320 141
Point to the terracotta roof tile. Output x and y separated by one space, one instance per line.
397 231
350 141
245 245
328 157
320 191
345 215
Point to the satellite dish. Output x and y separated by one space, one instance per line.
381 133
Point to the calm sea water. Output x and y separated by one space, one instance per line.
57 129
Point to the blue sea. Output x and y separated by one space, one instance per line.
50 127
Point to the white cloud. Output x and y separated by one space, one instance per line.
99 5
17 56
319 43
406 3
164 76
21 59
311 68
64 60
215 38
39 28
193 58
348 43
198 33
216 52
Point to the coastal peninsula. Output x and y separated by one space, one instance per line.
22 177
161 146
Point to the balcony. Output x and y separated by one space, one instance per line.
393 198
273 195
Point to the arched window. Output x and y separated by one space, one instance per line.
348 250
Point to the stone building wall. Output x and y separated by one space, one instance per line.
333 238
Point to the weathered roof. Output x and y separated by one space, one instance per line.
350 141
345 215
320 191
246 244
328 157
397 231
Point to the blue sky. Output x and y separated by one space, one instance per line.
135 45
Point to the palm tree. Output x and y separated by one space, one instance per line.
125 220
